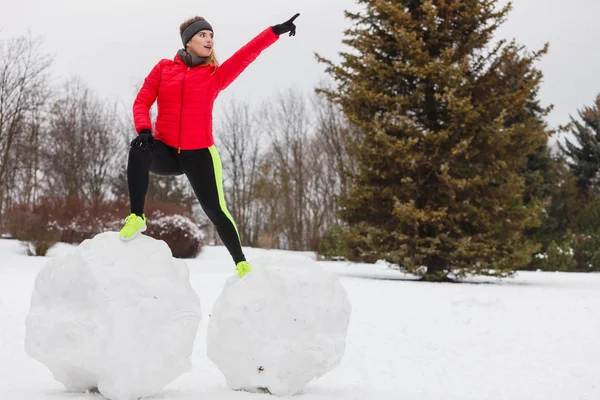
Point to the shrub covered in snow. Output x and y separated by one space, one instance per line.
118 316
179 232
282 325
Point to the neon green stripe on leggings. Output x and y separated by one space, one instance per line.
217 166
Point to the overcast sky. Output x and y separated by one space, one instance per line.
113 44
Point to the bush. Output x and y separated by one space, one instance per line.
81 220
587 218
334 244
183 237
587 251
34 227
557 256
572 253
73 220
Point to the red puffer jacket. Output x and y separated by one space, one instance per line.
186 95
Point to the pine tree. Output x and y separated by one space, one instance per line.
540 175
557 188
583 154
447 120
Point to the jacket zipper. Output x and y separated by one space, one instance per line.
181 112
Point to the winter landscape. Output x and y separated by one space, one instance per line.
315 200
531 337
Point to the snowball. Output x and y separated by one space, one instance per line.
280 326
117 316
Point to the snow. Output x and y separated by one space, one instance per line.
282 325
114 316
533 337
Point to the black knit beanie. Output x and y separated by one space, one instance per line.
193 28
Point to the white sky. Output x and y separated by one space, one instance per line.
113 44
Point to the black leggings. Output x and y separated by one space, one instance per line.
203 170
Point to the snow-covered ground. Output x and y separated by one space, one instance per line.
536 336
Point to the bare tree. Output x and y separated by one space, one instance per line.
240 142
334 133
288 119
81 144
23 75
268 218
25 171
331 167
326 167
321 190
124 134
304 171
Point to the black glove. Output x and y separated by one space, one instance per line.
143 140
287 26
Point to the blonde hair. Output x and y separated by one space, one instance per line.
212 59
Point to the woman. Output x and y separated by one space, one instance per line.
182 143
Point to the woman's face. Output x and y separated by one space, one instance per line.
201 44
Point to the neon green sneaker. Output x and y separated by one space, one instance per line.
134 225
243 268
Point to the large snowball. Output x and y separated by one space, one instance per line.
120 317
279 327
